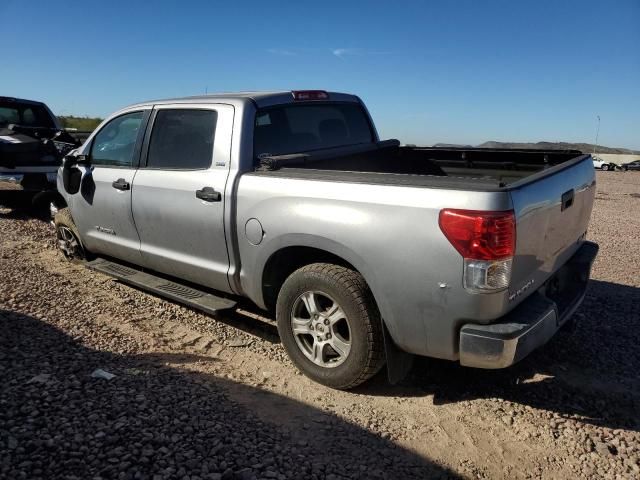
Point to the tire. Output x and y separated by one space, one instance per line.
16 199
68 237
41 203
604 167
355 323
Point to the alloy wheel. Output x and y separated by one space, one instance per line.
68 243
321 329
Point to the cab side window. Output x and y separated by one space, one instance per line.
114 144
182 139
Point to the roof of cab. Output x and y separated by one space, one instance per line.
20 100
261 99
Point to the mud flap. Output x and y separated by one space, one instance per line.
399 362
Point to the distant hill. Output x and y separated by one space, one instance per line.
452 145
83 124
583 147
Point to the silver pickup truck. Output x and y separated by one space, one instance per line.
367 251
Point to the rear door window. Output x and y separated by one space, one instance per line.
182 139
306 127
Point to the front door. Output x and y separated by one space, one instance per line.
178 193
102 207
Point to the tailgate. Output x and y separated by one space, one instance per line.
552 215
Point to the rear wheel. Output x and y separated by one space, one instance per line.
68 238
605 167
330 325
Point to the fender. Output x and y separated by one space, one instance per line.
399 362
253 284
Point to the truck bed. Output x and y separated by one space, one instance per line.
452 168
384 206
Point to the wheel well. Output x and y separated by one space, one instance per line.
286 261
59 201
44 198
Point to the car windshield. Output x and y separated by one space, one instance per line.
305 127
25 114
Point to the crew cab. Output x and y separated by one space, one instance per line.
32 145
366 250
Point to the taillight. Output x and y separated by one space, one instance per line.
301 95
486 240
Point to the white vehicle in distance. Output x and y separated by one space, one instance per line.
602 165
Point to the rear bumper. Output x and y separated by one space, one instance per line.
532 323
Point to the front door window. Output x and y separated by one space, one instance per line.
114 144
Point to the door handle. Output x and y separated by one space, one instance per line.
567 200
208 194
121 184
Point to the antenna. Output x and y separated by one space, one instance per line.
206 89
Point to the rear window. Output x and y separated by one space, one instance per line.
24 114
182 139
306 127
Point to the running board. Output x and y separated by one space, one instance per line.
162 287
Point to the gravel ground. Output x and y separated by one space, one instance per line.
198 398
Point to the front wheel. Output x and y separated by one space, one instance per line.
605 167
330 325
67 235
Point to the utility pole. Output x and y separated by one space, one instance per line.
595 147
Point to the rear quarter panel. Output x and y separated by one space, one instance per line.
388 233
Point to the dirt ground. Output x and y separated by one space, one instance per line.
201 398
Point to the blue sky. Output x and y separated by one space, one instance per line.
437 71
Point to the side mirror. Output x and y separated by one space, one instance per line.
74 158
71 174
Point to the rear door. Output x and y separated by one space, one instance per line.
178 193
102 207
